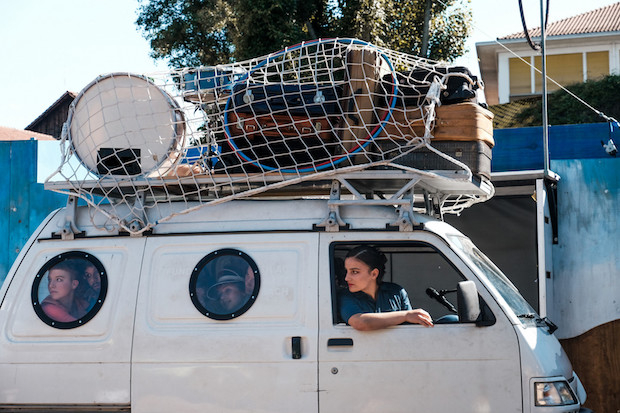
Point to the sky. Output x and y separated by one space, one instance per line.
48 47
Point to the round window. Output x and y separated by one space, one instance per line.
224 284
69 289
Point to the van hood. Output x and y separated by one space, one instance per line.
541 354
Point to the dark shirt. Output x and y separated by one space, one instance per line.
390 297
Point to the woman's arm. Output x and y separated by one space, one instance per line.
376 321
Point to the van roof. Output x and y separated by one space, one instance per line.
249 216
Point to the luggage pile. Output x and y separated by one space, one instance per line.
343 102
306 113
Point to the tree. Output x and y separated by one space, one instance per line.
195 32
189 33
449 27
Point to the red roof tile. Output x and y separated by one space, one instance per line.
603 20
10 134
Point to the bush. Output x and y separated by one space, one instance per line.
563 109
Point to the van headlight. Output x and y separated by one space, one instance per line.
553 393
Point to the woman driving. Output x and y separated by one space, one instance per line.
370 303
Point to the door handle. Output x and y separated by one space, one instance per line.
339 342
296 347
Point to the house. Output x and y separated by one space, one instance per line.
50 122
10 134
579 48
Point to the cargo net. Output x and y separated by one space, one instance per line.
134 144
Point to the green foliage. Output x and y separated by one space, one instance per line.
195 32
188 32
564 109
450 26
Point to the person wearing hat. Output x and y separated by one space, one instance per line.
228 291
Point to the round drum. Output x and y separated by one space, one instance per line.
123 124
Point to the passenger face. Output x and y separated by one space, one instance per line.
231 297
93 278
61 284
360 277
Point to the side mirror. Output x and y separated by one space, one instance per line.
467 302
470 310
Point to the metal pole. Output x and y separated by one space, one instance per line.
425 29
544 90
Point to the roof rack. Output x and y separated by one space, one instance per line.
317 119
428 192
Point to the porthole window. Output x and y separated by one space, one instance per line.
224 284
69 289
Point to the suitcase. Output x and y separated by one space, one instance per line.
307 100
359 119
475 154
284 126
282 140
280 126
209 84
465 121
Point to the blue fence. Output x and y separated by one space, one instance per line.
23 200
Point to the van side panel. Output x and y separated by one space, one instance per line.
86 365
185 361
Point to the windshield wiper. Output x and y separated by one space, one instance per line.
550 325
540 322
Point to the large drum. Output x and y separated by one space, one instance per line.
122 124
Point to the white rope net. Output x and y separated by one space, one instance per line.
134 144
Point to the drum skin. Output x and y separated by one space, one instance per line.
122 124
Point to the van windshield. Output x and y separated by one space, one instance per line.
502 284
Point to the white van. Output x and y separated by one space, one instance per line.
179 290
153 338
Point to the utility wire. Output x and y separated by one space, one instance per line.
535 46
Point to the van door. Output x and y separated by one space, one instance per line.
445 368
192 353
74 362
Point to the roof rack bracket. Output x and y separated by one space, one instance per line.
405 221
69 229
333 222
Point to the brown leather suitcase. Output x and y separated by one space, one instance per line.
282 141
359 118
280 126
465 121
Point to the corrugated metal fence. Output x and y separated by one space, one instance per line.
23 200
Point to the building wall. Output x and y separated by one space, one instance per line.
569 59
520 76
586 264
